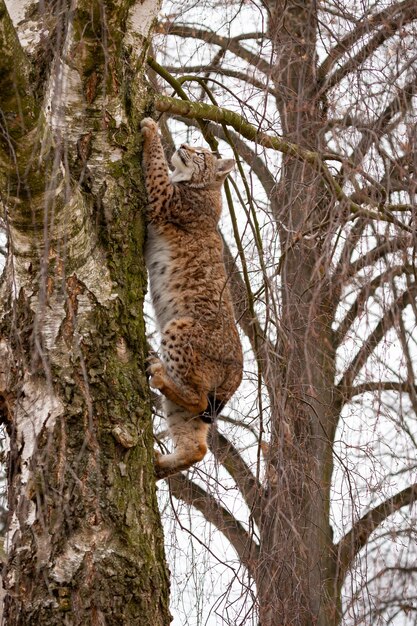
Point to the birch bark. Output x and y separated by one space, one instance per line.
84 542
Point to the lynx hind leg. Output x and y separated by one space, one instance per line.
178 375
187 397
189 436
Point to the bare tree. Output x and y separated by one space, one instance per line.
84 539
323 274
319 105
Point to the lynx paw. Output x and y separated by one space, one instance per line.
149 127
155 370
160 472
152 360
157 380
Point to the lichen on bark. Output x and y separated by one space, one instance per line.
85 540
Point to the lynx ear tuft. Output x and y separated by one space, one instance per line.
224 167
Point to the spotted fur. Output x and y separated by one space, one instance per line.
200 362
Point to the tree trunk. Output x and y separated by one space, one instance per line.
296 581
85 542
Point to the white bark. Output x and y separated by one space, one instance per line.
72 339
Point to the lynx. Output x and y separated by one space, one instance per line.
200 363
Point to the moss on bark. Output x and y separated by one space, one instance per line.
86 543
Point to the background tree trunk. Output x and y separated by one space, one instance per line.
85 544
296 537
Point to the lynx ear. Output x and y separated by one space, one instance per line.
224 167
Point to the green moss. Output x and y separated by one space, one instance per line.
85 477
17 102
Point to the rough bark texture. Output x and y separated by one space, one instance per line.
84 544
297 565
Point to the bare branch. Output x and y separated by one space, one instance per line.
386 322
244 77
240 423
399 171
255 35
189 492
350 244
382 385
248 324
390 19
380 251
349 546
230 44
367 292
250 488
204 111
399 104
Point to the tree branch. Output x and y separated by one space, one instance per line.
400 102
352 240
248 324
379 252
382 385
202 110
229 44
189 492
250 488
250 80
205 111
390 19
363 296
368 346
266 354
400 171
349 546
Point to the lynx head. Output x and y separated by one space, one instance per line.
199 167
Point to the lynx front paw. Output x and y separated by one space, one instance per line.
149 127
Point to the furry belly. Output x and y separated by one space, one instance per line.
158 261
